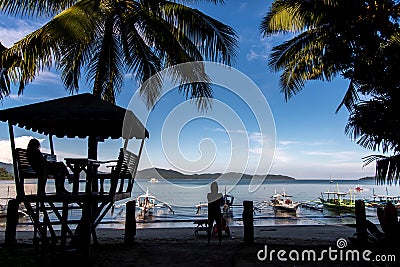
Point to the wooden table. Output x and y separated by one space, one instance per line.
85 228
89 166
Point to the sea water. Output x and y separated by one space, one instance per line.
184 194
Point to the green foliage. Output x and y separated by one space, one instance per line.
357 40
107 39
5 175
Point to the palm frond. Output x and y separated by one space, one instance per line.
35 8
215 41
350 98
303 58
283 17
387 170
47 45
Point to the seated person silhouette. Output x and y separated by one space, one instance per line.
44 168
214 211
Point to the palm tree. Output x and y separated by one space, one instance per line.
357 40
109 38
331 38
112 37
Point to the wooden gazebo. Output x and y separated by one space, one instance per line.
82 116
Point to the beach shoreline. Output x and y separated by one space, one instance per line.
181 247
308 233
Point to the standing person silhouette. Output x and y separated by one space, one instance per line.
214 211
42 167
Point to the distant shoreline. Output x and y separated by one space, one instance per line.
171 174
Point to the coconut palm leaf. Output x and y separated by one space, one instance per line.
108 38
350 99
387 168
35 8
45 46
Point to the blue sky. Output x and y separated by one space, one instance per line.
310 139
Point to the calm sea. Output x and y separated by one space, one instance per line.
184 194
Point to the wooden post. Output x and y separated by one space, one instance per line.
85 230
12 221
19 185
248 231
51 144
361 220
130 222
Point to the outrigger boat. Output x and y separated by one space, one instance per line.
381 200
153 180
283 202
147 203
336 200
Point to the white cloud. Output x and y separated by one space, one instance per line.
47 77
287 142
335 156
252 55
24 98
10 35
5 147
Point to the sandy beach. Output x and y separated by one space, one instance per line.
180 247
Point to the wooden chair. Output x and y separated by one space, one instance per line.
121 179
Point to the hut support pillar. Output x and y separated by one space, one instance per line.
130 222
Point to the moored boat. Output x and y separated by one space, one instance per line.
336 200
283 202
153 180
147 203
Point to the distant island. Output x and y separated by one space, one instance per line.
5 175
367 178
171 174
6 171
7 166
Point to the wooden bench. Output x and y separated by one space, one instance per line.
201 226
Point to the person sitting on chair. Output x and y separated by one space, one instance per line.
43 168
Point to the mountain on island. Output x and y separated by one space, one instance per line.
171 174
7 166
367 178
